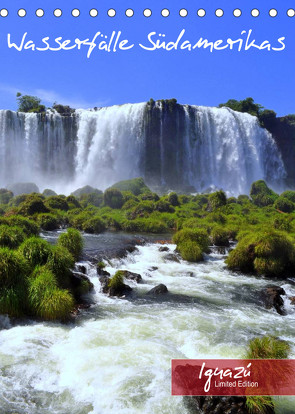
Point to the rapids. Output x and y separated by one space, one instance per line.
116 357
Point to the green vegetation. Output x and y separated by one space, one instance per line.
113 198
262 224
136 186
268 252
28 103
267 347
73 241
116 282
265 116
262 195
191 243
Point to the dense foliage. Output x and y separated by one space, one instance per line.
262 224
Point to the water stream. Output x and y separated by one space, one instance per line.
116 357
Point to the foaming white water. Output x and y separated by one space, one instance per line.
34 148
229 150
110 144
117 357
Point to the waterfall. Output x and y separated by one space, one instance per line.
178 146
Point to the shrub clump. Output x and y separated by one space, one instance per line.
13 268
5 196
94 225
191 243
11 237
113 198
284 204
268 347
268 253
220 236
60 262
48 221
262 195
173 199
46 300
57 203
190 251
35 250
135 185
72 241
33 204
216 200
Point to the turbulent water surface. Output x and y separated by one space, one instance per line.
194 146
116 357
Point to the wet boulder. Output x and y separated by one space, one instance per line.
216 405
158 290
272 298
136 277
104 281
163 249
115 286
80 284
153 269
171 257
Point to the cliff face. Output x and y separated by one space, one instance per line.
283 131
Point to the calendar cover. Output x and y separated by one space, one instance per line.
147 207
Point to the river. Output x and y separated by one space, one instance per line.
116 356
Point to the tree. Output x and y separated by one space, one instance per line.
28 103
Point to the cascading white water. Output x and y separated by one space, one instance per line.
190 145
228 150
117 357
32 148
109 145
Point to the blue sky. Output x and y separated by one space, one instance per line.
197 77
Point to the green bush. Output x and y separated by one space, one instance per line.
60 262
94 225
282 223
173 199
5 196
29 227
199 236
33 204
261 194
92 198
73 241
220 236
267 347
11 237
46 300
48 221
13 301
163 206
113 198
216 200
190 251
57 203
13 268
267 252
116 282
285 205
72 202
35 250
290 195
135 185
